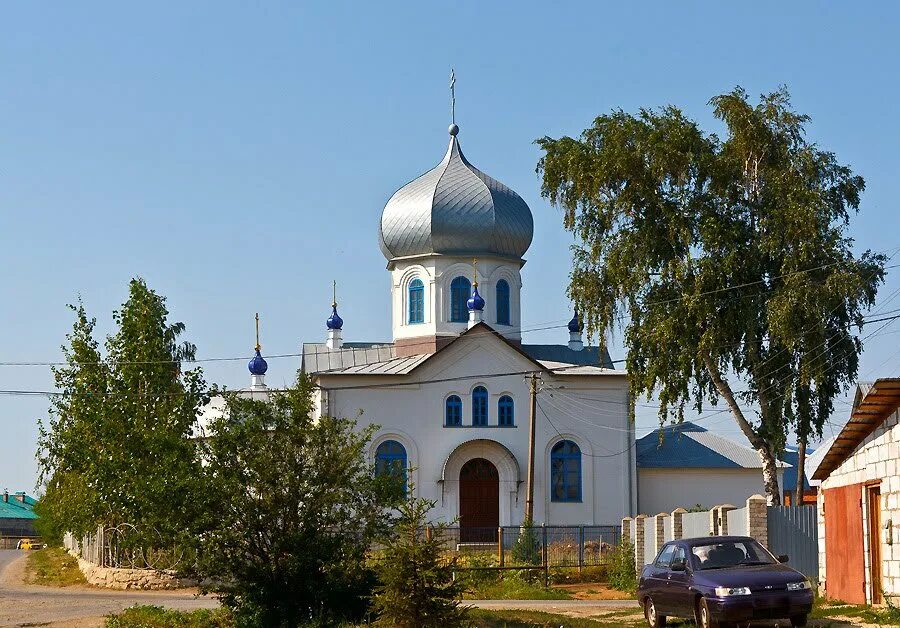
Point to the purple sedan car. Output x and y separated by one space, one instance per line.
720 581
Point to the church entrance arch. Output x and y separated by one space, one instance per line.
479 501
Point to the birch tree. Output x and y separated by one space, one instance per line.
724 261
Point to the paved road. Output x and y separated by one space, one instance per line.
73 606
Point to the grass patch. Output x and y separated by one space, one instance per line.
482 618
513 588
52 567
158 617
831 609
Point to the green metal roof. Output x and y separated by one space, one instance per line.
14 509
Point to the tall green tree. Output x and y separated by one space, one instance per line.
296 507
725 261
117 448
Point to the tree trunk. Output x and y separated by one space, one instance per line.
801 469
770 468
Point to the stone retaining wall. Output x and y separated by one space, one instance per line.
130 579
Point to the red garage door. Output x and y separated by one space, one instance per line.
845 577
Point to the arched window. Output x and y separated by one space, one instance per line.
460 291
502 302
505 413
416 301
390 459
480 406
565 472
453 411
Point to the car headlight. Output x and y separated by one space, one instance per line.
730 591
799 586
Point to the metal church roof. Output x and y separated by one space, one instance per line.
688 445
455 209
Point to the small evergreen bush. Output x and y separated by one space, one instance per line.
416 585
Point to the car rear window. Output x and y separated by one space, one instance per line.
730 554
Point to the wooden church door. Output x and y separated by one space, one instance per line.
479 501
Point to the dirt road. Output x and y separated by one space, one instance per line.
22 604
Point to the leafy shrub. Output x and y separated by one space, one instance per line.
622 575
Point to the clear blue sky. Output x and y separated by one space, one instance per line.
238 155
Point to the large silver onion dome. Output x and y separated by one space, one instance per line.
455 209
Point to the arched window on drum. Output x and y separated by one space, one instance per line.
416 301
502 302
460 291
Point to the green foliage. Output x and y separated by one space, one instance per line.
621 571
117 447
721 258
158 617
296 507
416 585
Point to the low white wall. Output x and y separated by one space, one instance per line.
664 490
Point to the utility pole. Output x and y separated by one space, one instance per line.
529 500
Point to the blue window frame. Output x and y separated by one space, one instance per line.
502 302
480 406
505 412
565 472
460 291
390 459
453 411
416 301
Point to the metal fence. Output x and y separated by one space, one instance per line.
737 522
793 530
126 547
511 547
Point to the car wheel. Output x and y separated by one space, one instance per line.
704 616
798 620
654 619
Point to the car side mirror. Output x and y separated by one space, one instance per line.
783 558
678 565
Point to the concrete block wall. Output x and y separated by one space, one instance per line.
876 459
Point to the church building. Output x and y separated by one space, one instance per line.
452 392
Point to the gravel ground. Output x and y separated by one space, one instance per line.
30 605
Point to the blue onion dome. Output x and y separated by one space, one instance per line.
475 301
258 366
575 325
334 321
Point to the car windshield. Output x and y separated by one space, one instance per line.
730 554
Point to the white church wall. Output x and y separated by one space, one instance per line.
414 416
